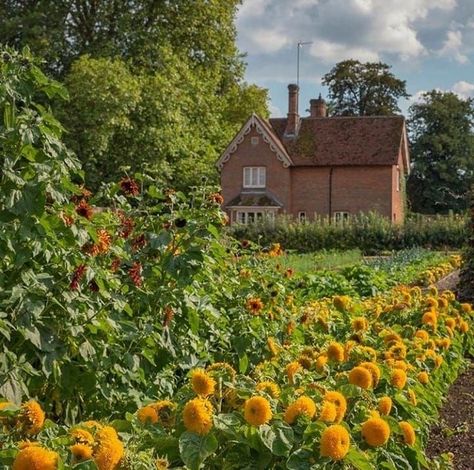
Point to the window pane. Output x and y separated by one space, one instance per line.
241 217
261 177
250 217
254 176
247 178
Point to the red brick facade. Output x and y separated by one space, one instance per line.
363 171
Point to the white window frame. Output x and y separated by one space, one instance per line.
254 177
340 217
250 216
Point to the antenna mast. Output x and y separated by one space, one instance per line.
300 45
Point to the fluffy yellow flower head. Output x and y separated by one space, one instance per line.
269 387
81 452
430 318
257 411
109 449
335 352
423 377
81 436
466 308
398 378
412 397
166 412
291 370
374 371
360 324
197 416
321 362
340 401
203 384
409 435
328 412
302 406
361 377
385 406
32 417
147 415
341 302
423 335
376 432
35 458
335 442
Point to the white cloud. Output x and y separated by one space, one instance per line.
464 89
452 47
275 111
333 52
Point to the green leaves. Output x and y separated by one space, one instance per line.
278 438
195 449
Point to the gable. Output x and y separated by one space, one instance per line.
268 136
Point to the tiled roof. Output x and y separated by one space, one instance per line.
343 140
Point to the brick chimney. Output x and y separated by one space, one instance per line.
318 107
293 117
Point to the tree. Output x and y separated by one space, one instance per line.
442 152
364 89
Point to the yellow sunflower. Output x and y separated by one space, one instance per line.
375 431
203 384
257 411
335 442
197 416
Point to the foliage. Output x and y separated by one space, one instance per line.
154 86
466 281
364 89
394 337
441 131
370 233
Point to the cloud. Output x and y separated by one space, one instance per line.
452 47
464 89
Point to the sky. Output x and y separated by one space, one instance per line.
429 43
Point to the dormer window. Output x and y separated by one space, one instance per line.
255 177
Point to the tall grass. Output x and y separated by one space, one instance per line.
370 233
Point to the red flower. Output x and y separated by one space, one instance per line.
129 186
126 227
217 198
115 265
77 276
139 242
169 314
135 273
84 209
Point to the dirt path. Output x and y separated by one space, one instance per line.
455 429
449 282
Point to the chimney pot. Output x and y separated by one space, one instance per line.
318 107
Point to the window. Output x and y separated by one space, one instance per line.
340 216
254 141
250 217
255 177
302 216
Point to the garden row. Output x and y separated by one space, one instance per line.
361 385
371 233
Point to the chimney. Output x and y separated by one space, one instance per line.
318 107
293 117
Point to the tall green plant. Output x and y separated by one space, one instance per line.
466 281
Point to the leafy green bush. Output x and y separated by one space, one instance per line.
370 233
466 281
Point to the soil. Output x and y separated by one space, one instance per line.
455 429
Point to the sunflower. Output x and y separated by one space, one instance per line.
81 452
272 346
108 450
254 305
321 362
37 458
464 326
147 415
223 369
203 384
423 378
84 209
430 318
302 406
340 401
271 388
162 463
335 352
81 436
257 411
361 377
360 324
32 417
291 370
385 405
328 412
197 416
335 442
466 308
375 431
341 302
409 435
374 371
398 378
423 335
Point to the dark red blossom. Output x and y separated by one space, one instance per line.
84 209
135 273
169 315
115 265
77 276
216 198
126 225
139 242
93 286
129 186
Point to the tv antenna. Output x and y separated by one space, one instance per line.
300 45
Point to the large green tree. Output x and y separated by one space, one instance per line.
442 152
364 89
155 84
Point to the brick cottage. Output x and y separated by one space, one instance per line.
315 166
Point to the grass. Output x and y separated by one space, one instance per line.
330 260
